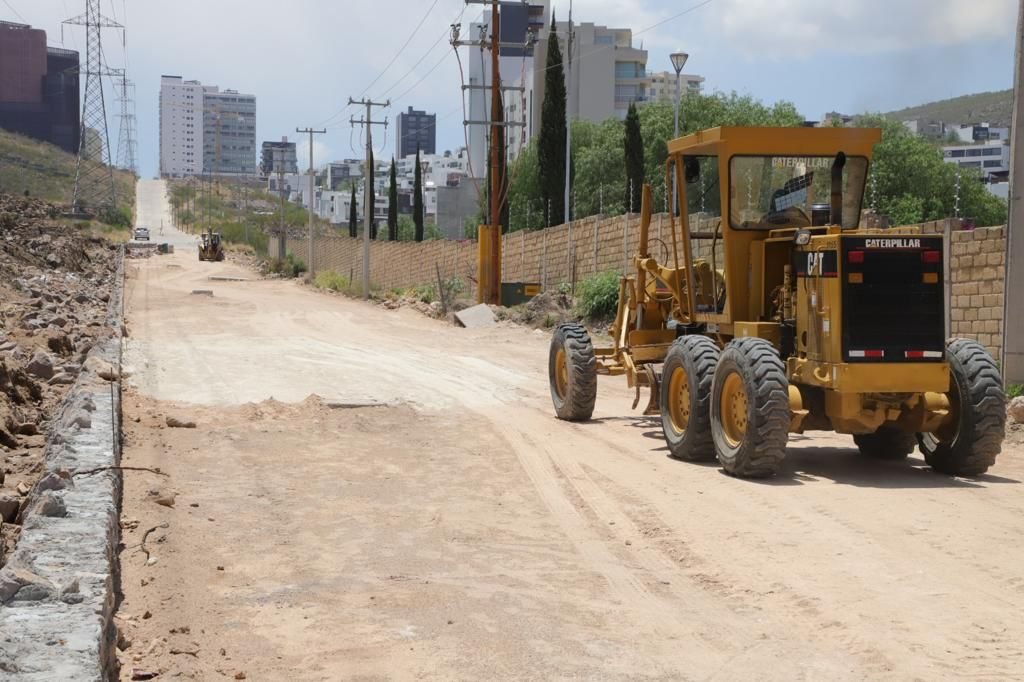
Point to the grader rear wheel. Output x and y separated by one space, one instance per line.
970 441
572 373
685 398
750 409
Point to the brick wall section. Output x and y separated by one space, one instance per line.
978 273
542 256
545 256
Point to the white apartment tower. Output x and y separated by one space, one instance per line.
181 127
608 74
204 129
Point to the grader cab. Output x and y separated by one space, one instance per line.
777 314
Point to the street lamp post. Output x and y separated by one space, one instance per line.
678 62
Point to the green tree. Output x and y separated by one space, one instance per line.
417 197
393 204
353 216
634 152
373 197
551 141
912 182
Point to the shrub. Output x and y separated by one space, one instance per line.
115 216
289 266
1014 391
328 279
425 292
598 296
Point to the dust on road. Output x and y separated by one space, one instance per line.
463 533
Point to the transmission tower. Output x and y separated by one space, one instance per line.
94 175
127 133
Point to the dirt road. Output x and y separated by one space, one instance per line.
458 531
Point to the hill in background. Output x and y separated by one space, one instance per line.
995 108
47 171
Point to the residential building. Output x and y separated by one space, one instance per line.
416 130
518 23
608 74
278 157
977 133
39 91
992 159
339 173
662 86
229 132
930 128
204 130
181 127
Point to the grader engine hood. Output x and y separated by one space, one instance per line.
893 301
872 299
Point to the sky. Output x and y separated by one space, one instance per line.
303 59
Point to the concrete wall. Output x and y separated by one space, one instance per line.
594 245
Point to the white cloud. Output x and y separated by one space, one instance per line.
774 29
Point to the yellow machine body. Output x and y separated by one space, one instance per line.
734 275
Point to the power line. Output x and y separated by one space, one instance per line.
15 12
424 76
341 111
674 17
401 49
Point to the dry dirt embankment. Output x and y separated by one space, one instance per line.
55 283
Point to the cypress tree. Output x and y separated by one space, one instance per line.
373 200
353 216
417 198
393 204
634 143
551 142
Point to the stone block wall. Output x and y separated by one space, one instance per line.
597 244
977 274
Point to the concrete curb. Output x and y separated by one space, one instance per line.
58 590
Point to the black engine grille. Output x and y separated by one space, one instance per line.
893 310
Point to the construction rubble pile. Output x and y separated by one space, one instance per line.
55 285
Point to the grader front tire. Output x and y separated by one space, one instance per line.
572 373
686 381
969 444
750 409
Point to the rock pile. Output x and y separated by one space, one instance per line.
55 286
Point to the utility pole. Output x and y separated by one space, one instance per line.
568 122
1013 323
312 190
489 236
368 199
282 238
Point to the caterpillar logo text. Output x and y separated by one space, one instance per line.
892 243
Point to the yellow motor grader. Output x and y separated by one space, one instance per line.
778 315
211 247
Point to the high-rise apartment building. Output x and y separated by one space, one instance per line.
204 130
38 87
229 132
518 23
416 130
662 86
181 127
278 157
608 74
